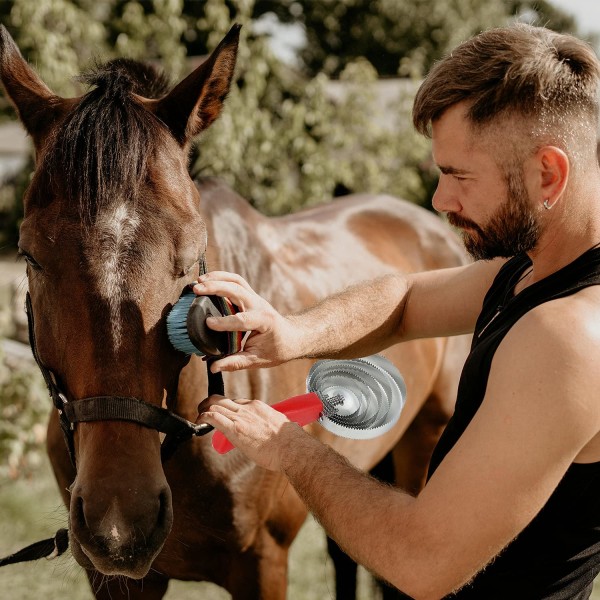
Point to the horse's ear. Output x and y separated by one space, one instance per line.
37 106
197 101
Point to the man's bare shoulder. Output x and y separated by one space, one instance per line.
549 362
570 324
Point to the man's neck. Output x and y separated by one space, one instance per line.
570 230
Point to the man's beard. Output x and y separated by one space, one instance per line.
512 230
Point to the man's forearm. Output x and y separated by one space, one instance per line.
364 516
362 320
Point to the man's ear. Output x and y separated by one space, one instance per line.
37 107
197 100
554 173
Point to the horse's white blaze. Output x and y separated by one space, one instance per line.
115 233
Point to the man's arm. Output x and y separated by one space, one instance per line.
362 320
539 412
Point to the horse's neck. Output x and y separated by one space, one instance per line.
240 239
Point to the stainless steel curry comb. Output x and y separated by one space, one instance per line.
358 399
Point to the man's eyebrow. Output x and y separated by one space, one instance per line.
452 170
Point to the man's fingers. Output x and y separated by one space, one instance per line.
217 420
227 323
242 321
225 276
240 360
239 295
217 400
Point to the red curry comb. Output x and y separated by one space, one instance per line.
303 409
357 399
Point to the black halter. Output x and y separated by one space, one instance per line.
119 408
107 408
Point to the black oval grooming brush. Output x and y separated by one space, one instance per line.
187 329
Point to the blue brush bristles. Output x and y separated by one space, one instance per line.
177 324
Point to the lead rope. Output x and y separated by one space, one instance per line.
49 549
58 544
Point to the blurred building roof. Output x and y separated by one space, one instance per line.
13 139
392 98
15 146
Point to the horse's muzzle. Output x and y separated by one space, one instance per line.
118 538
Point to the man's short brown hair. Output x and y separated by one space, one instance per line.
524 71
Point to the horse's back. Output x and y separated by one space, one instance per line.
297 259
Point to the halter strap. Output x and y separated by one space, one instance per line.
121 408
107 408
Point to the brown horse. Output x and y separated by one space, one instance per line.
113 231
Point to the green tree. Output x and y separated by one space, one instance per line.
284 141
400 37
292 144
397 37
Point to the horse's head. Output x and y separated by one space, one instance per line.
111 234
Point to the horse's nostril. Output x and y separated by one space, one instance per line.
78 514
164 508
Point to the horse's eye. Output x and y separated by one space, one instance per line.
29 260
185 270
191 268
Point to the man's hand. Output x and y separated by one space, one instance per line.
273 338
252 426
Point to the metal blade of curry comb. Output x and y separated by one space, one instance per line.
362 398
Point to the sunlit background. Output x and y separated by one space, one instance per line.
321 107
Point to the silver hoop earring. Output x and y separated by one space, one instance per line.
547 206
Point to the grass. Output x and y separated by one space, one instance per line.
31 510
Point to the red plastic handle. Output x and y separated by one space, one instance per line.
303 409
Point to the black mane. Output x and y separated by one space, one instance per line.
101 150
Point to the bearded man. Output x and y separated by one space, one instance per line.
511 508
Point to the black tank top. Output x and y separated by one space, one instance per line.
558 554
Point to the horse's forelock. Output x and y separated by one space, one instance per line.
122 75
100 153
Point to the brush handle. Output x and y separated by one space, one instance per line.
303 409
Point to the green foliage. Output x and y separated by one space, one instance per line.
11 205
149 30
400 37
56 36
24 408
287 139
294 146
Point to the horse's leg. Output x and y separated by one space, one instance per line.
261 572
115 588
413 451
344 567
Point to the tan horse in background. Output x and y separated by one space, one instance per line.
113 231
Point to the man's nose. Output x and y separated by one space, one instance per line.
445 197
